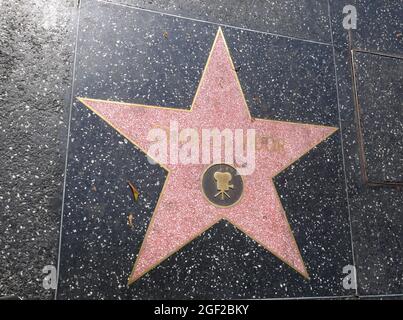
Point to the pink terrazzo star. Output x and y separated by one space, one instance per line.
182 212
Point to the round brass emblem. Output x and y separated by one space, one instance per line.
222 185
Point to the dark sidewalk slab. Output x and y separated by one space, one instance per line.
306 19
36 59
376 212
131 55
379 85
380 26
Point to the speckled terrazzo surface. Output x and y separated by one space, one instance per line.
293 65
381 112
36 62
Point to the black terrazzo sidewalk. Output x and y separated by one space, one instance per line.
295 62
